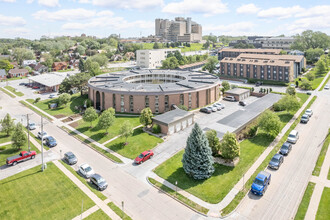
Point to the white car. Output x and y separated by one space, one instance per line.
326 86
217 106
222 105
52 96
214 109
42 135
31 126
309 112
86 170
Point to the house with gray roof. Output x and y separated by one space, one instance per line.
3 74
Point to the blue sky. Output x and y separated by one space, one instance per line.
132 18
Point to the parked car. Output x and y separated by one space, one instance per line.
51 96
35 87
205 110
221 104
99 182
50 141
42 134
242 103
230 98
309 93
258 83
22 84
70 158
86 170
304 118
286 148
276 161
31 126
209 108
146 155
293 137
218 107
326 86
261 183
309 112
214 109
23 156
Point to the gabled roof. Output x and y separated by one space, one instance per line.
2 72
13 71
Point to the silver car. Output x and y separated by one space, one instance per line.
86 170
99 182
309 112
293 137
217 106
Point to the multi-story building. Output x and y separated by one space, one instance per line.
276 70
232 52
152 59
179 30
282 43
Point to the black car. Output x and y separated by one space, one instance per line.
22 84
258 83
276 161
99 182
205 110
286 148
70 158
242 103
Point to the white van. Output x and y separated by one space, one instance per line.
293 136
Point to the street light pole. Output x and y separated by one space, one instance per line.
27 116
42 144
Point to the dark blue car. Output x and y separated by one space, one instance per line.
50 141
276 161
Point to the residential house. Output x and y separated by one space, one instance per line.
74 64
29 62
3 74
59 66
40 68
15 64
18 73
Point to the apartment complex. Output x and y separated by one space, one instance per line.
152 59
283 43
179 30
277 70
299 61
232 52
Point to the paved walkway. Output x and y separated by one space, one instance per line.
86 213
4 144
321 182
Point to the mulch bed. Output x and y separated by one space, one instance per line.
59 116
74 124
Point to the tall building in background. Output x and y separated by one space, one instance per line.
179 30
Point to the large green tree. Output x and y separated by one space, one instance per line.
5 64
270 123
229 146
19 137
197 159
320 67
106 119
64 99
146 116
309 39
7 124
126 130
210 64
21 54
225 85
213 140
90 115
305 84
313 54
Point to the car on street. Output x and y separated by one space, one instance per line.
218 107
242 103
205 110
261 183
326 86
86 171
144 156
70 158
276 161
23 156
50 141
229 98
293 137
99 182
52 96
286 148
309 112
31 126
42 134
304 119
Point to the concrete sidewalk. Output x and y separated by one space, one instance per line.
86 213
4 144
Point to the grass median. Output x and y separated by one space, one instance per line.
320 159
8 93
118 211
323 212
326 81
233 204
178 196
99 214
302 209
35 110
13 90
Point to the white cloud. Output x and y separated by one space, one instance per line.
11 21
17 31
66 14
315 11
49 3
128 4
314 23
105 13
206 7
29 1
248 9
280 12
234 29
10 1
84 1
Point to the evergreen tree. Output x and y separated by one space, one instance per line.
213 140
81 65
197 159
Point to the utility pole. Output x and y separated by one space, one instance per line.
27 116
42 144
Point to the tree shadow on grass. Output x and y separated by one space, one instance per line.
262 139
285 118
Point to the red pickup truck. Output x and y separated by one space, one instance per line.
24 155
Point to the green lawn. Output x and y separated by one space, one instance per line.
137 143
303 97
13 90
35 110
99 214
300 215
85 181
320 159
4 138
69 109
119 211
41 195
99 134
10 151
15 78
317 81
8 93
323 211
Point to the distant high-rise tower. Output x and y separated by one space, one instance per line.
179 30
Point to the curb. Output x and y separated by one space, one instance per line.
175 198
90 146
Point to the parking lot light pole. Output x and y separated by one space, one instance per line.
42 145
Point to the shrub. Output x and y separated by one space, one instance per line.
88 103
183 107
156 129
37 100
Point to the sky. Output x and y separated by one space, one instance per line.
134 18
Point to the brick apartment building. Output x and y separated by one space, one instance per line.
277 70
233 52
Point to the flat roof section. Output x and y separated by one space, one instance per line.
276 51
172 116
48 79
237 91
296 58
